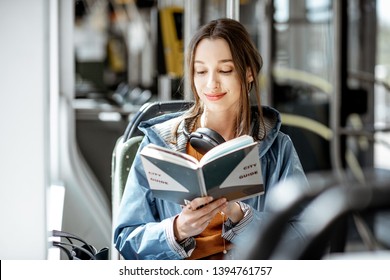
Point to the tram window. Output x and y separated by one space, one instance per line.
382 96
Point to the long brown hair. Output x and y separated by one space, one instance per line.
245 56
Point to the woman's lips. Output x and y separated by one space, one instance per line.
214 96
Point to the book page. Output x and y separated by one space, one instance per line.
170 155
226 147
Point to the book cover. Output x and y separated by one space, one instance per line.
230 170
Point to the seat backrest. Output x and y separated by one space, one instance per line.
150 110
327 202
126 148
333 205
354 200
284 201
122 158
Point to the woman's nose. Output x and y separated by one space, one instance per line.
212 82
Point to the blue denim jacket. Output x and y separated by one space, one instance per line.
144 226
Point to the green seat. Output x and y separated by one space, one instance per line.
122 159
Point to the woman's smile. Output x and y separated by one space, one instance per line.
215 96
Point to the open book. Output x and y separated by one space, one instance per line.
231 169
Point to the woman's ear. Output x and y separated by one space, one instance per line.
249 76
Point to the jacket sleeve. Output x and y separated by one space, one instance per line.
139 232
288 166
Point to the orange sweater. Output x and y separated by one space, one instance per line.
209 243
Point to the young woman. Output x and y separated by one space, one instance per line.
223 66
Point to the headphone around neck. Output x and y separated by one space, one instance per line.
204 139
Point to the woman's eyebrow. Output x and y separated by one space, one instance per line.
219 61
225 60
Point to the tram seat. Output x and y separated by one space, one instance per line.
330 204
350 199
126 148
281 207
122 158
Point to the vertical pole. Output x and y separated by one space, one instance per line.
267 49
335 105
191 23
233 9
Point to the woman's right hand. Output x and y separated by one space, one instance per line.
196 216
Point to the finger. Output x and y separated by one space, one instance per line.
209 211
214 206
219 209
200 202
188 206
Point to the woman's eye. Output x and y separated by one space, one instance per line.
200 72
226 71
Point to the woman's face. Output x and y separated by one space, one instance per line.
216 80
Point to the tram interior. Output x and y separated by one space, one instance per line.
326 69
